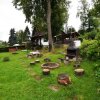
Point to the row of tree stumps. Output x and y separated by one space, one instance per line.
72 54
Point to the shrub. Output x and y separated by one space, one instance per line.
97 37
90 35
97 74
5 59
90 49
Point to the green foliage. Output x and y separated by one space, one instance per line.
36 13
83 13
87 16
97 74
26 34
20 36
23 36
97 7
5 59
97 37
90 49
90 35
12 37
3 44
71 29
59 15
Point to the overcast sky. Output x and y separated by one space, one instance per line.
12 18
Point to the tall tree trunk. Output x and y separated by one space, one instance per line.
49 25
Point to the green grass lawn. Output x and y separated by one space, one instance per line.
20 81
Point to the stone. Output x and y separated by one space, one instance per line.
66 62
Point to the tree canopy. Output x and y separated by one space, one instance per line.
12 37
97 7
88 16
44 14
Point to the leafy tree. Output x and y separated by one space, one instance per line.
29 7
59 15
89 21
20 37
3 44
71 29
83 13
86 16
97 7
39 12
12 37
93 22
26 34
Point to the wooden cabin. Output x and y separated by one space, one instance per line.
63 37
37 38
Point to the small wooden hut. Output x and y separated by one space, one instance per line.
63 36
36 39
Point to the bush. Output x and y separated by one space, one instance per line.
90 49
97 74
97 37
90 35
5 59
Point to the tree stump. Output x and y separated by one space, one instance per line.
63 79
61 60
76 65
37 61
47 60
79 72
46 71
30 56
32 63
39 55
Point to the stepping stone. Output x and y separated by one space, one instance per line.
54 88
37 77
